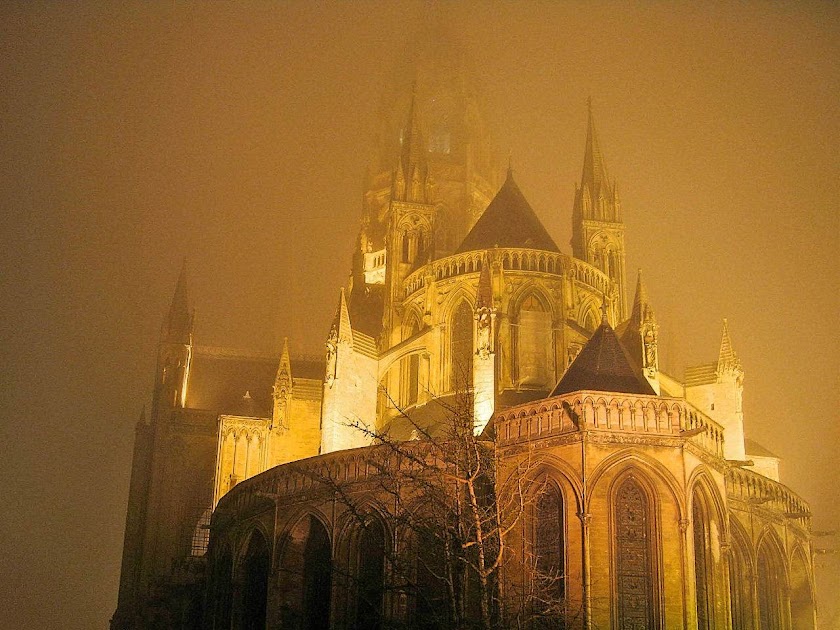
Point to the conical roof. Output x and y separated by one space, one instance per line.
509 221
603 366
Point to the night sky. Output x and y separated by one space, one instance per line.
237 135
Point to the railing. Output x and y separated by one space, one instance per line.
757 490
512 259
317 473
621 413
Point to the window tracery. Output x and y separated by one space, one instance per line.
634 558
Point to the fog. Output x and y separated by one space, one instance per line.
237 135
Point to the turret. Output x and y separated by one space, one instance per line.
717 390
348 409
597 227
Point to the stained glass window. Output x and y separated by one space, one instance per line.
634 571
549 545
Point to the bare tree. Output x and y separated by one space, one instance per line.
442 495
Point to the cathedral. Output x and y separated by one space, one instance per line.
270 492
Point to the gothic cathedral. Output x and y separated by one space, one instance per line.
655 510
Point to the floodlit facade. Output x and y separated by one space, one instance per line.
654 510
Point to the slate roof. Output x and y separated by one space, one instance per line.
509 221
603 366
220 378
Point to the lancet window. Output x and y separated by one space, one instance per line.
702 563
549 548
634 557
534 343
769 589
461 347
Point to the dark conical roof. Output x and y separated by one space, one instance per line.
509 221
603 366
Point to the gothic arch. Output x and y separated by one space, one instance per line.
650 468
365 545
252 576
741 572
802 609
305 569
771 581
636 550
705 536
547 538
412 323
532 353
460 344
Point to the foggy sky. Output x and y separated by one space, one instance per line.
132 136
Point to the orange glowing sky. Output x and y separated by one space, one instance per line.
236 135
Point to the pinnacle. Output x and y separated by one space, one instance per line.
178 326
727 359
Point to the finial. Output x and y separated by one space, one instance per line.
589 104
604 319
510 163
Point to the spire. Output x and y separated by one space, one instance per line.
594 172
341 328
282 392
412 142
178 325
727 359
285 367
642 310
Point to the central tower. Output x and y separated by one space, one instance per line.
432 173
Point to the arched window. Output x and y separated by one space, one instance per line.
549 552
305 584
461 347
740 591
369 576
406 247
255 583
702 562
769 588
412 376
801 598
534 344
634 557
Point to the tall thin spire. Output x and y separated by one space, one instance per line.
727 359
178 325
412 143
642 310
594 171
